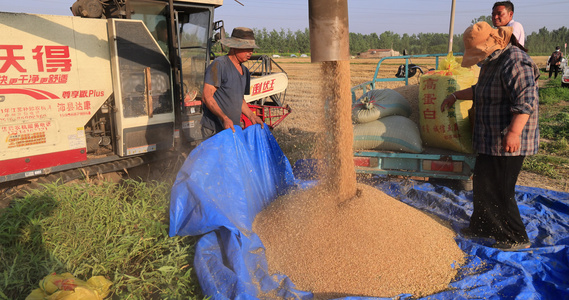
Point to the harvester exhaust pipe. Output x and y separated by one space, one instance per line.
329 31
330 45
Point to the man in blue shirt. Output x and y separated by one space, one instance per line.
226 81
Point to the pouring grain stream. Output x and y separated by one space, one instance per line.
337 172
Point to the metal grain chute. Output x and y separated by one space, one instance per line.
329 30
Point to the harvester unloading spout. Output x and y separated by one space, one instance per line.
329 44
329 30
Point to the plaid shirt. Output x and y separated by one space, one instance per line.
507 85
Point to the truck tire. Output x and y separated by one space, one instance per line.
466 185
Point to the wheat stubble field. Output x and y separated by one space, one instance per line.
297 133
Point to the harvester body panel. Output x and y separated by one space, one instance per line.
54 75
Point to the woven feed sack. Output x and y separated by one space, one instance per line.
450 129
392 133
380 103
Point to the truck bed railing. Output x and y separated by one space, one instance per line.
370 85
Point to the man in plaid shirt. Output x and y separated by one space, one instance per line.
505 130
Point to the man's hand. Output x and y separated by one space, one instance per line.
448 102
227 123
256 120
251 115
511 142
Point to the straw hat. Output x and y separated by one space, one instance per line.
241 38
481 40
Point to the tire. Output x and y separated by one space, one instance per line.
466 185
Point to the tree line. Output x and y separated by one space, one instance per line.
287 42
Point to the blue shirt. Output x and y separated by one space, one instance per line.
507 85
231 87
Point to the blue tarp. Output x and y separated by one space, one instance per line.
231 177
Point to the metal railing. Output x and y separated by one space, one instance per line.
370 85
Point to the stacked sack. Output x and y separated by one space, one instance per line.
381 122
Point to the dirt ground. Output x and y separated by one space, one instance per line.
297 132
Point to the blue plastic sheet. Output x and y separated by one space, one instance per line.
231 177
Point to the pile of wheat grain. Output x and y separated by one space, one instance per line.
370 245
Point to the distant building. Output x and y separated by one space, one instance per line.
378 53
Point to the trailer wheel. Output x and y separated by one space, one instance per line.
466 185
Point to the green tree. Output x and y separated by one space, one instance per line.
388 39
487 19
302 40
542 42
357 43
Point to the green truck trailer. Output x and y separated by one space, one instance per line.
432 163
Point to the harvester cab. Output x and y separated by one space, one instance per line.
161 92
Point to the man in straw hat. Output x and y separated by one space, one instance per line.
226 81
505 130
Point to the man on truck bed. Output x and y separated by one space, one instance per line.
227 80
505 130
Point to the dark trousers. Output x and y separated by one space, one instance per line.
496 212
553 68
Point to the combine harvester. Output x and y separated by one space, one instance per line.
103 90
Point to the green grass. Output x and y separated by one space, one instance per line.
557 147
552 159
554 124
545 165
552 93
112 230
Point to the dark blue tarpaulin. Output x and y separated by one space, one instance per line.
231 177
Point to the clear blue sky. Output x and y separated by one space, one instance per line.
365 16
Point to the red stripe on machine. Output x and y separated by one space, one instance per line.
36 94
50 95
38 162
